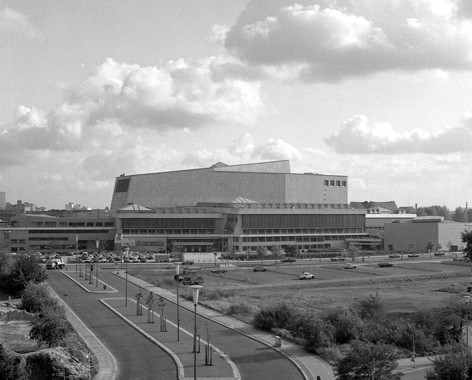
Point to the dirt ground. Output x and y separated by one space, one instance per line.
405 287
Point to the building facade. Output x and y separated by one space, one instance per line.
237 208
267 182
416 234
29 233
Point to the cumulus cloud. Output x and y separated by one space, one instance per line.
244 149
120 97
357 136
15 22
329 40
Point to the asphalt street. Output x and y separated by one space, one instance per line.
138 358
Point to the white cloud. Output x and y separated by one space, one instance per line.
358 137
335 40
119 98
244 149
15 22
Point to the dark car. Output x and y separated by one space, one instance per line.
338 258
187 262
414 255
288 260
259 268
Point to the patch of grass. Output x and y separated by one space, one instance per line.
452 288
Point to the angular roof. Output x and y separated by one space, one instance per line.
134 207
390 205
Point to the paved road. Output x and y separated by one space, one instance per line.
140 359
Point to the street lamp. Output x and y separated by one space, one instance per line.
97 242
195 290
126 276
177 279
76 252
467 299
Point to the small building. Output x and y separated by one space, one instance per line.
418 233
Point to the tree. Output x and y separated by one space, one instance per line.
353 251
466 238
368 361
51 326
261 252
276 251
292 250
459 215
455 364
25 269
371 307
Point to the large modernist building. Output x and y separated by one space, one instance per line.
239 207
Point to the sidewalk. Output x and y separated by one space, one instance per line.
182 351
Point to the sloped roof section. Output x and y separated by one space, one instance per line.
135 207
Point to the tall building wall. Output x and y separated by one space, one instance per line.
222 183
3 200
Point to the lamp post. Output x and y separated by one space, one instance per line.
76 252
126 276
97 242
467 299
177 279
195 290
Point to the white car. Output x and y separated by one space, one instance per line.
349 266
307 276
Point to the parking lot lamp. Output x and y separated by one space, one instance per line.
177 279
126 276
76 252
467 299
195 291
97 242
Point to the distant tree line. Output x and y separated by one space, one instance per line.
457 215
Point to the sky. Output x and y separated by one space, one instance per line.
378 90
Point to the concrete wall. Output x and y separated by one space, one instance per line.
401 234
188 187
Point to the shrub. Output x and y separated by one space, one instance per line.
36 297
385 265
240 308
25 269
51 327
279 315
347 325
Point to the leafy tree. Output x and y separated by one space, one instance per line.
51 327
429 246
25 269
292 250
459 214
371 307
455 364
276 251
353 251
36 298
366 360
261 252
347 325
466 238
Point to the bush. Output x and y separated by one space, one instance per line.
36 297
385 265
279 315
51 327
347 325
25 269
240 308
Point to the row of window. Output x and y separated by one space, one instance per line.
292 221
159 223
335 183
143 231
73 224
298 239
259 231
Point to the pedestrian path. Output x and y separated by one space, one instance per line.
222 367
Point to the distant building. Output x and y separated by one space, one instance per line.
414 235
3 201
22 208
237 208
44 233
389 207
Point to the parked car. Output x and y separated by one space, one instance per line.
259 268
338 258
385 265
440 253
307 276
350 266
187 262
288 260
219 270
413 255
394 255
55 264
